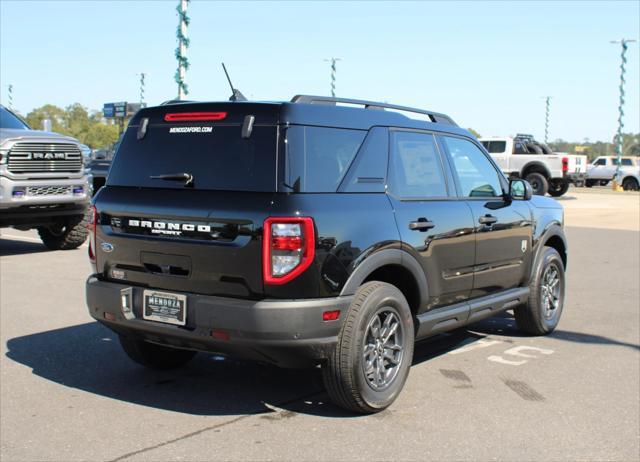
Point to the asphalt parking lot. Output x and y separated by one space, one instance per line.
482 393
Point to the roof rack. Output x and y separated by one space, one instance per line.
433 116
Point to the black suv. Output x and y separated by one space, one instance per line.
317 231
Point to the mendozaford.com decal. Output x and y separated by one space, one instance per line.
190 129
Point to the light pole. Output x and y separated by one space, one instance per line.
546 118
10 92
618 138
333 74
143 75
181 51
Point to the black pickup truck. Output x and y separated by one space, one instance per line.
318 231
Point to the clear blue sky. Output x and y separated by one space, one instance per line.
485 64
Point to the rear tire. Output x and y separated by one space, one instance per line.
154 356
630 184
541 314
590 183
538 183
558 187
366 373
66 236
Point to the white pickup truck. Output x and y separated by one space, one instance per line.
602 170
522 157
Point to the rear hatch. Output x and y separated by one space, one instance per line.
186 198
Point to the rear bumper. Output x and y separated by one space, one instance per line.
288 333
575 176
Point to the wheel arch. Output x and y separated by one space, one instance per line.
536 167
552 237
395 267
630 177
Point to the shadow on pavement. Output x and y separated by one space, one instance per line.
10 247
88 357
504 324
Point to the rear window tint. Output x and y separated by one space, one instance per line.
216 155
319 157
495 147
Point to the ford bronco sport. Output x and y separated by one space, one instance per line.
319 231
43 183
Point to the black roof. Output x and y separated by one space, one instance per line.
314 110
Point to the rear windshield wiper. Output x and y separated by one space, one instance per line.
187 178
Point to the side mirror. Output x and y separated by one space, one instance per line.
520 190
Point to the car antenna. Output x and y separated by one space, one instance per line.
236 95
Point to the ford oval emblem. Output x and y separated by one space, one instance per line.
106 247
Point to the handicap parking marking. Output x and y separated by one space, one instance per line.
482 343
518 352
501 360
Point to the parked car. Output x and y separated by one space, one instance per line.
43 183
100 164
308 233
603 168
523 157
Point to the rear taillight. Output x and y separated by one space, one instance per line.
92 223
565 164
288 248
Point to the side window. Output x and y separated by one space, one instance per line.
318 157
416 168
476 174
519 148
626 162
368 171
601 162
497 147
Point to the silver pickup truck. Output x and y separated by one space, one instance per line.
43 183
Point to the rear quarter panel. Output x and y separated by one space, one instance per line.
349 227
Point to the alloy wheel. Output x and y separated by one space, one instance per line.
550 289
383 349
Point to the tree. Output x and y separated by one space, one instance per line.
474 133
75 121
630 146
48 111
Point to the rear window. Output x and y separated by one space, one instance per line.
216 155
318 157
495 147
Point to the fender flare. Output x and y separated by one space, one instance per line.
535 163
553 230
387 257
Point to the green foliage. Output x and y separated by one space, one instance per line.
77 122
630 147
474 133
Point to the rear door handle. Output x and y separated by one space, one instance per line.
421 224
487 219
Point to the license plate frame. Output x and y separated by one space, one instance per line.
164 307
